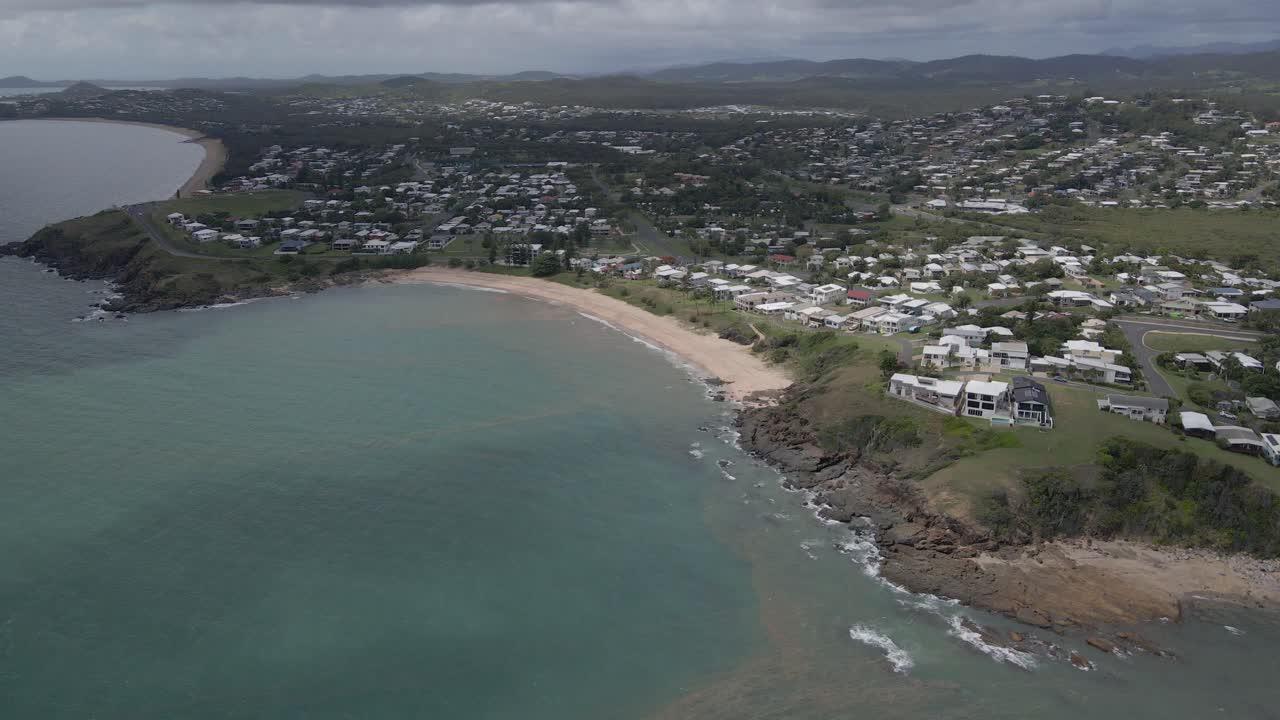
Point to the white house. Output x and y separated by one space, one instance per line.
984 399
828 294
1010 356
940 395
1147 409
1225 311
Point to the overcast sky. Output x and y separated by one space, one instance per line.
142 39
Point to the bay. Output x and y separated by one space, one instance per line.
416 501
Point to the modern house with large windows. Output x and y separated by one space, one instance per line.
1029 403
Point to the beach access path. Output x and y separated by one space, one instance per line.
743 372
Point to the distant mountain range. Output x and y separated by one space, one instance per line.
1219 48
840 82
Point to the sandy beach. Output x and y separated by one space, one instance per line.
734 364
215 153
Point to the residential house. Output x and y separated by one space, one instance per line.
865 319
1196 424
984 399
1089 349
1239 439
1225 311
1029 402
1261 407
972 334
1100 371
1271 447
750 301
1134 407
940 395
890 323
858 297
1010 356
827 294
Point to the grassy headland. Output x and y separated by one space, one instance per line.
112 245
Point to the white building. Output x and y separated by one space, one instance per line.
941 395
984 399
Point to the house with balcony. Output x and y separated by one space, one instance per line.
984 399
940 395
1029 403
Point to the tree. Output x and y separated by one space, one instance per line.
546 265
962 301
888 363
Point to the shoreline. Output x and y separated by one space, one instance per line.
744 375
1103 589
215 152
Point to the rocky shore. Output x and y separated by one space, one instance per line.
1086 588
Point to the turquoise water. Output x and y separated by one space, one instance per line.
425 502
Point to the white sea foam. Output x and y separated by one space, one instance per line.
1000 654
218 306
897 657
696 453
672 357
477 288
1233 630
863 551
808 547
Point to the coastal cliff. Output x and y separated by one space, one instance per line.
1078 585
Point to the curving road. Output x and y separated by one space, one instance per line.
141 214
1136 328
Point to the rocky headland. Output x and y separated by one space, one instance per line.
1104 591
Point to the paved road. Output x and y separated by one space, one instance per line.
141 215
1136 328
1202 327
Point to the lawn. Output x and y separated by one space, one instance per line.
1079 428
1192 342
238 205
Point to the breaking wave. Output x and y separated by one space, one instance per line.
897 657
1001 654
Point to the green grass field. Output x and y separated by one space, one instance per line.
1079 428
238 205
1186 231
1188 342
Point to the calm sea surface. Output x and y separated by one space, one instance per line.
425 502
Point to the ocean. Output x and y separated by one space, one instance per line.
431 502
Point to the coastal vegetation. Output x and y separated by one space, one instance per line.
962 466
1145 491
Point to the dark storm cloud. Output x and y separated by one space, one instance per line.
284 37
